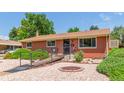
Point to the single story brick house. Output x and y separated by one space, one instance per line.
9 44
94 43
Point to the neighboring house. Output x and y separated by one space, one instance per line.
94 43
9 45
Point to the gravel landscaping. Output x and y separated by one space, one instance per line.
49 72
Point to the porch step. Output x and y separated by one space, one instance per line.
69 58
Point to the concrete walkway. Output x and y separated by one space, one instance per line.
50 72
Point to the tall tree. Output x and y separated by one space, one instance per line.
13 34
75 29
30 24
118 33
94 27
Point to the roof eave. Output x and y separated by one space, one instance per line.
29 40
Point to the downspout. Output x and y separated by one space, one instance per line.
107 45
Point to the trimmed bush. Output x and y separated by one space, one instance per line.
25 54
113 66
78 56
40 54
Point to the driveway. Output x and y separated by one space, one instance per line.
50 72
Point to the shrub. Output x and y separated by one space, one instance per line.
24 53
113 66
40 54
7 56
78 56
116 52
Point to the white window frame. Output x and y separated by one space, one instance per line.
86 47
27 45
49 41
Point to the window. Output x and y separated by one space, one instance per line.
51 43
87 42
29 45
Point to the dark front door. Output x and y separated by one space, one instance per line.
66 46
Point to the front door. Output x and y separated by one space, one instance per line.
66 46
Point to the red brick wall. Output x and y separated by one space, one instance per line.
39 45
59 46
36 45
23 45
3 47
93 52
43 45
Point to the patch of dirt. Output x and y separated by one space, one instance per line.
4 73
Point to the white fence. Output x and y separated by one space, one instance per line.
114 43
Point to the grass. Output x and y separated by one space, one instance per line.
113 65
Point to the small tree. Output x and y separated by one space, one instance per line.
75 29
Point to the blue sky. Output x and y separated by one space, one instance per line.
64 20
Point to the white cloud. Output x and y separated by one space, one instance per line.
4 37
119 13
105 18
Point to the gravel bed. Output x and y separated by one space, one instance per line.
49 72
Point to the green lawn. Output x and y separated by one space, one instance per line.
113 65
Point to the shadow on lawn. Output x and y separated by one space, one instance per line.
18 69
24 68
